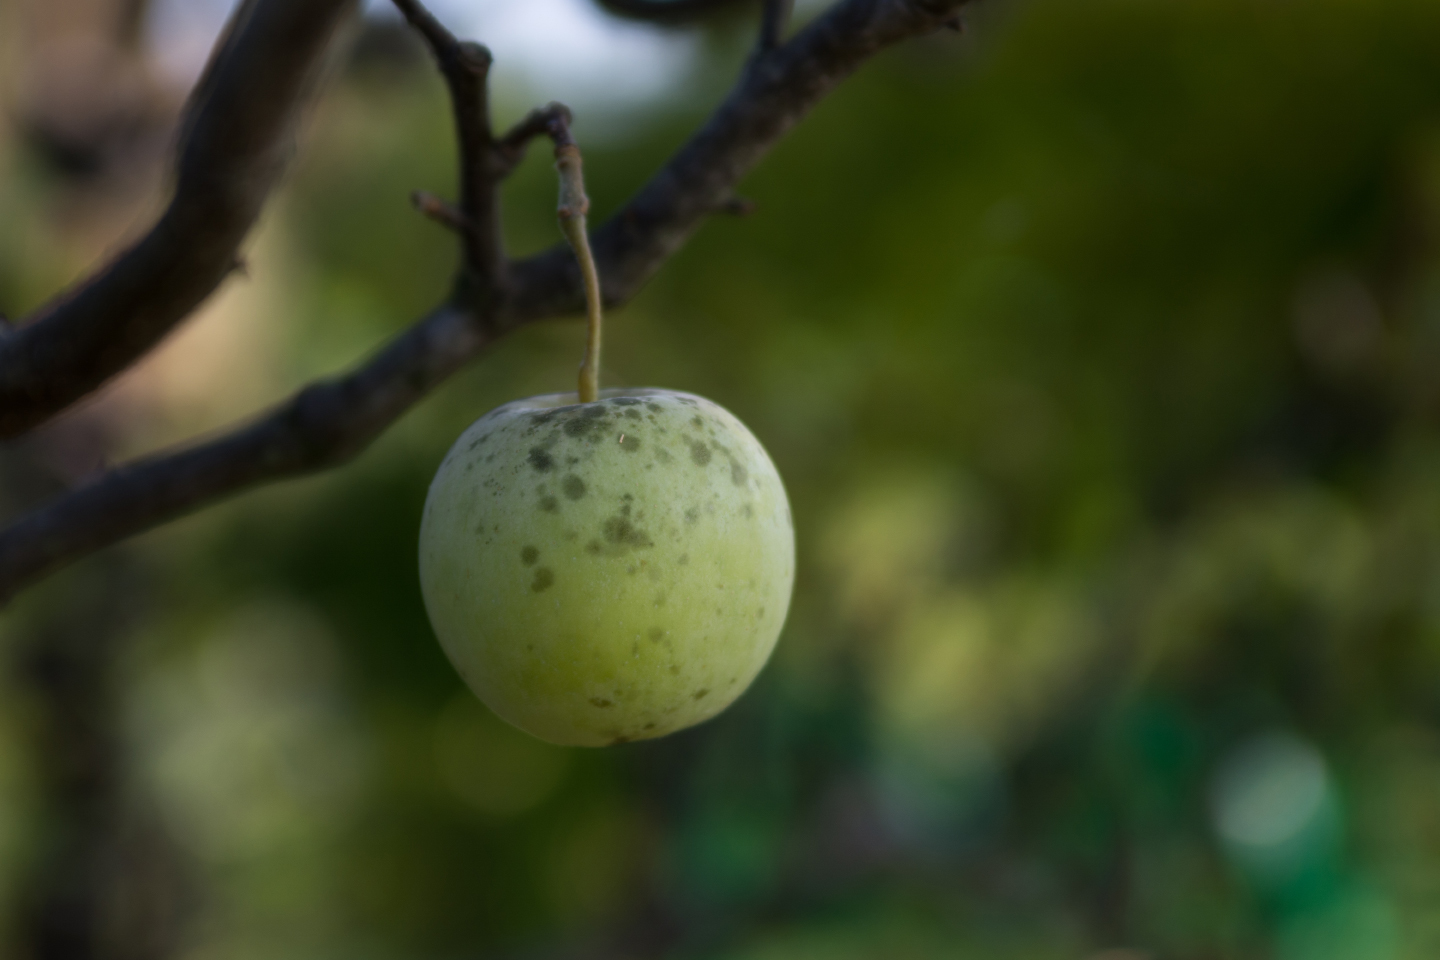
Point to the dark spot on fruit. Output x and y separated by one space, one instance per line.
629 442
540 460
699 453
603 704
675 669
748 510
632 569
738 474
633 415
593 546
621 532
578 427
544 579
653 407
619 740
529 555
697 423
594 412
649 726
663 456
760 613
656 634
549 504
624 401
700 694
684 559
573 486
692 514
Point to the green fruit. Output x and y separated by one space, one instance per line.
608 571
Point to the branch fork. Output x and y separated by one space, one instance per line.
241 113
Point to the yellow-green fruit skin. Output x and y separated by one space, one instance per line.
608 571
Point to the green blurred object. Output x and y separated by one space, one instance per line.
1098 351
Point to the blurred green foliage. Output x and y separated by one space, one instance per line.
1100 352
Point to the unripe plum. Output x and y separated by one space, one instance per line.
608 571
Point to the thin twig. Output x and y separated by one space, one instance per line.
510 149
665 12
771 97
466 68
441 212
329 422
440 40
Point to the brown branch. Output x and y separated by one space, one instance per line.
234 146
441 212
465 67
510 149
665 12
323 425
328 423
774 93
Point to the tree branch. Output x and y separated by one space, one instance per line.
234 145
665 12
465 67
328 423
776 90
440 211
323 425
510 149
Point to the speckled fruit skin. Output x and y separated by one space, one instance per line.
608 571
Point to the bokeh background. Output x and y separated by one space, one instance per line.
1099 348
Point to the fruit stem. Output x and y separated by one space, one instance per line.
573 207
